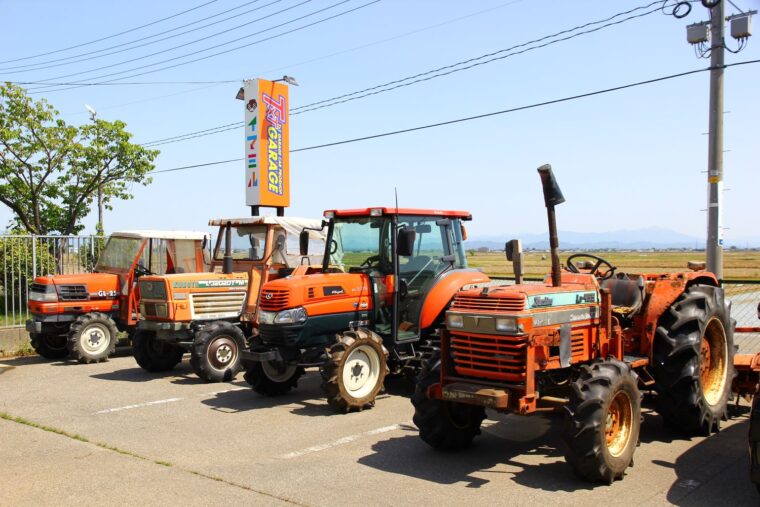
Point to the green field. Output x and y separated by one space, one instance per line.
741 265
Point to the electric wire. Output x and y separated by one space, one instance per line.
475 117
452 68
162 51
287 32
73 59
110 36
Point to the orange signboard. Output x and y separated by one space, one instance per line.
267 143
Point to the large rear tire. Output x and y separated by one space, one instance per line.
49 346
443 425
92 338
602 421
215 356
355 370
153 354
693 360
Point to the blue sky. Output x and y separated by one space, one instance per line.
625 160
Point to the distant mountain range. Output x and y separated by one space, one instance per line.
638 239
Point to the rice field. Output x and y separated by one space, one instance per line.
738 265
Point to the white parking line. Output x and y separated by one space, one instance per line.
139 405
214 393
343 441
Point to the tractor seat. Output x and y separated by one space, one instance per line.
627 293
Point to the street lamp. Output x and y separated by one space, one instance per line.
288 79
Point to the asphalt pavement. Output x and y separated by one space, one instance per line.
113 434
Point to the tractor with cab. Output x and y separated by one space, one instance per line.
376 307
79 315
586 342
211 314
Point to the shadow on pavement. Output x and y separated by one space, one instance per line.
136 374
504 444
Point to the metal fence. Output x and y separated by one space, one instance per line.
23 257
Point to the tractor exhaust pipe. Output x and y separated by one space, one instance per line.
552 197
227 266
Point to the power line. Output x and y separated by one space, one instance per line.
475 117
435 73
223 44
110 36
195 41
126 83
72 59
499 52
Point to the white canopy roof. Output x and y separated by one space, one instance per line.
162 234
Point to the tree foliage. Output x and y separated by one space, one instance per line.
50 171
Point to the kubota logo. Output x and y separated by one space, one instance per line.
268 296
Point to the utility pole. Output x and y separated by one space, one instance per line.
715 144
93 117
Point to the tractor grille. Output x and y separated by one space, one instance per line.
494 303
495 357
73 293
217 305
273 300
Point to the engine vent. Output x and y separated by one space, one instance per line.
273 300
495 357
219 305
310 292
493 302
73 293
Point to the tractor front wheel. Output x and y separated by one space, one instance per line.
215 356
92 338
693 360
153 354
444 425
355 370
49 346
603 420
270 379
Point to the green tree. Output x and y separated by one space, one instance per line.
50 172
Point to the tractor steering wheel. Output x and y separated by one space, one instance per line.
141 271
371 262
597 262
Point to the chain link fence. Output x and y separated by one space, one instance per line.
23 257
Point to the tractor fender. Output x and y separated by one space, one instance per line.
441 294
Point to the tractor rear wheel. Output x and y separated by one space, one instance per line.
49 346
693 360
153 354
354 371
215 355
92 338
603 420
444 425
269 379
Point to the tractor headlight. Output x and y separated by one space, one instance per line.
455 321
506 325
291 316
43 293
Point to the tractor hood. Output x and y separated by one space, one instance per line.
316 289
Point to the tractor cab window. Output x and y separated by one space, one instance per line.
118 255
248 243
165 256
432 250
356 243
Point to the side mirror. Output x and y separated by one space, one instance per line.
303 243
552 193
405 241
509 249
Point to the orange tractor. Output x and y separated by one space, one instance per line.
211 314
586 341
377 304
79 315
